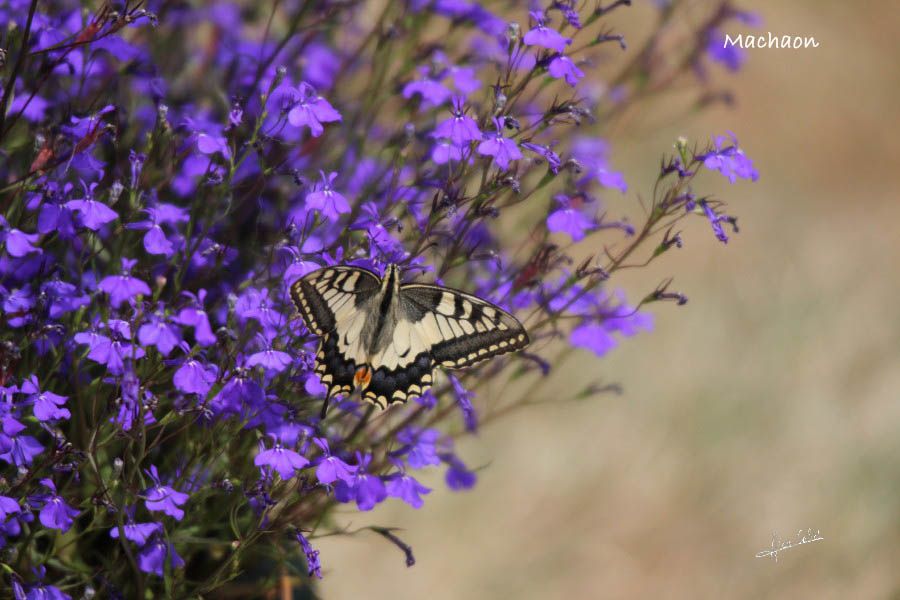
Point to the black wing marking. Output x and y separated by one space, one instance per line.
460 329
322 294
392 386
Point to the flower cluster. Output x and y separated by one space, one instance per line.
169 170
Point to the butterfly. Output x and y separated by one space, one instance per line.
386 337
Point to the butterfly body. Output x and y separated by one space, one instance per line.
385 337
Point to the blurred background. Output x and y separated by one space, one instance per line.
768 404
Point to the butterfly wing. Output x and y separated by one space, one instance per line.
460 329
332 302
403 370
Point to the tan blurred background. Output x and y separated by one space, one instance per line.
769 403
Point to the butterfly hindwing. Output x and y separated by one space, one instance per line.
460 329
332 303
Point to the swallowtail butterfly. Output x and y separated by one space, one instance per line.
386 337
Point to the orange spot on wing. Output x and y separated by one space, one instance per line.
363 377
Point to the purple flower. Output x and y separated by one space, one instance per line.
445 151
55 513
464 400
272 360
433 93
543 36
16 307
163 498
563 67
194 316
194 377
504 150
460 128
123 287
592 154
731 56
138 533
552 158
326 200
91 213
19 243
420 446
157 332
730 161
593 337
367 490
8 506
569 219
405 487
38 590
458 476
283 460
153 556
311 110
313 566
330 468
111 352
46 406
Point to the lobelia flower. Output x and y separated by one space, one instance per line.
593 337
731 56
155 240
420 446
592 154
111 351
562 67
8 506
38 590
16 307
195 377
19 243
464 400
433 93
92 214
367 490
159 333
569 219
458 476
405 487
194 316
283 460
460 128
46 406
55 513
445 151
123 287
326 200
330 468
155 554
543 36
308 109
730 161
16 448
313 566
502 149
163 498
138 533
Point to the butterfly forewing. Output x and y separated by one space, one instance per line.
460 329
332 303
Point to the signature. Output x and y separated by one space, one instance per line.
778 546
